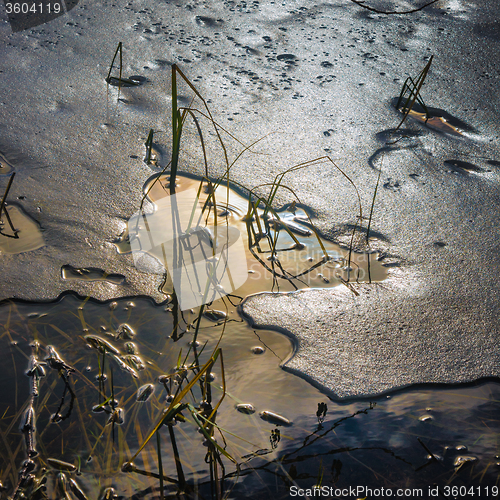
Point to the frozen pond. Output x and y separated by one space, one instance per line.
306 80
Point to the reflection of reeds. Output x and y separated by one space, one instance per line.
149 147
3 208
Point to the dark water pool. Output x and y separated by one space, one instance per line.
416 438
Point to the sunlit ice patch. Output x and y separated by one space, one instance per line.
205 262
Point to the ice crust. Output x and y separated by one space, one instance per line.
385 338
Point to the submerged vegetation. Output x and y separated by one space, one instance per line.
117 408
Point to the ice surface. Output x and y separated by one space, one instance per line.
320 79
387 337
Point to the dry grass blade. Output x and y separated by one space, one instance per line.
177 124
160 465
203 420
244 150
351 245
373 206
414 93
178 464
11 454
322 159
178 118
108 78
433 457
370 223
202 141
176 132
348 285
118 50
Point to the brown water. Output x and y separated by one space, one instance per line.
26 235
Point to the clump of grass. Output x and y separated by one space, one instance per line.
269 224
263 222
270 232
410 93
203 415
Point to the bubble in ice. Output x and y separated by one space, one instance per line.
463 459
245 408
425 418
214 315
144 393
125 331
274 418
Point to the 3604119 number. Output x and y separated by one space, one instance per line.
471 491
33 8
